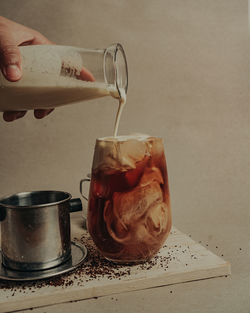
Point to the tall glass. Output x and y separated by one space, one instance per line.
129 215
57 75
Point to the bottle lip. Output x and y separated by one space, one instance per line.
119 59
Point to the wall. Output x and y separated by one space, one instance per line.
189 69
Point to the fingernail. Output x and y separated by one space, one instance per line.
51 110
38 114
42 113
12 72
20 114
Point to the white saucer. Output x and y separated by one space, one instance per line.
78 255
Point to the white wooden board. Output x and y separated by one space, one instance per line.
180 260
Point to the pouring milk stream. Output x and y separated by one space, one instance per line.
58 75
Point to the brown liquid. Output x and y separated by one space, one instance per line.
129 209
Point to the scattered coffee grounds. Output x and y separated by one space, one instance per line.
97 268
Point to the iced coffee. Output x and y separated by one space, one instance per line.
129 216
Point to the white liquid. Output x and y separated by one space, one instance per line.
21 96
24 95
122 101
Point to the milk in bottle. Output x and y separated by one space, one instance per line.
58 75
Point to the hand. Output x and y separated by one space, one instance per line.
13 35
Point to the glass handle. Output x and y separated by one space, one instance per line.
84 210
81 187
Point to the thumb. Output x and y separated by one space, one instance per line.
10 60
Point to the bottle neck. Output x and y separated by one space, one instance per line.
116 69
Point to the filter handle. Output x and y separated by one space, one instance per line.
75 205
2 213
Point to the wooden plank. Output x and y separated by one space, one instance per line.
180 260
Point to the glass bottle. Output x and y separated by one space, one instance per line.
56 75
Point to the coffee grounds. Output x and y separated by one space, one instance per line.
96 267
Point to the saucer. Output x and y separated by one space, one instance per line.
78 255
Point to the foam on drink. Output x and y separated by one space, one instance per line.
120 152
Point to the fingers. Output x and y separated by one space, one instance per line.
10 116
86 75
39 39
42 113
13 35
10 60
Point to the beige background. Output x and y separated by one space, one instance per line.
189 72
